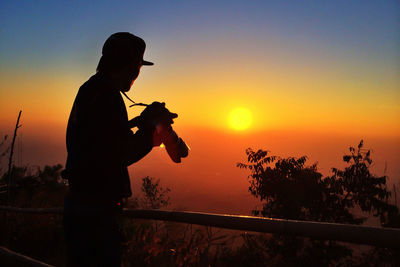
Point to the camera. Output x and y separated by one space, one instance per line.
158 118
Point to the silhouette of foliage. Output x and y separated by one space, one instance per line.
155 196
150 243
36 235
24 176
359 188
290 189
175 244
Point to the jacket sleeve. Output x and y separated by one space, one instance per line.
121 145
138 145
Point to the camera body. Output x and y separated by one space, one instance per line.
175 146
158 118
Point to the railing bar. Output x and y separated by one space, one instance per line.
33 210
21 259
381 237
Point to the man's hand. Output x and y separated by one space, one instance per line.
155 118
157 113
152 116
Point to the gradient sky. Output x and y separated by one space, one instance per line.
319 69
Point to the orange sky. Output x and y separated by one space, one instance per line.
318 123
208 180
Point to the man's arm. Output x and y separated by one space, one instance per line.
120 144
138 145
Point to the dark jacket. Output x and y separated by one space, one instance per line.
100 143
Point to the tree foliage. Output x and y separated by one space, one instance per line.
290 189
155 196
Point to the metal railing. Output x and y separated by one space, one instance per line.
366 235
12 258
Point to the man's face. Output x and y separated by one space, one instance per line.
129 75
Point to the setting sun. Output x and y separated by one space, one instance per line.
240 119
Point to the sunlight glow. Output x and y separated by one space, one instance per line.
240 119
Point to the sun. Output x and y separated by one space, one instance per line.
240 119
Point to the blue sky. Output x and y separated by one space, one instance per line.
49 31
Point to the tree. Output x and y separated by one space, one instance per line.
290 189
51 174
155 196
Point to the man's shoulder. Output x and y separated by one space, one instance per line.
94 83
97 90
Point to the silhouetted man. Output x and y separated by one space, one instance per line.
100 147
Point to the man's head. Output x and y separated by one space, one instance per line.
122 57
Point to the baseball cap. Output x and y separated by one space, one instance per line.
125 45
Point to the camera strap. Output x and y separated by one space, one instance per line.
134 103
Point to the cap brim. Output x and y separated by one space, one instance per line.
147 63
